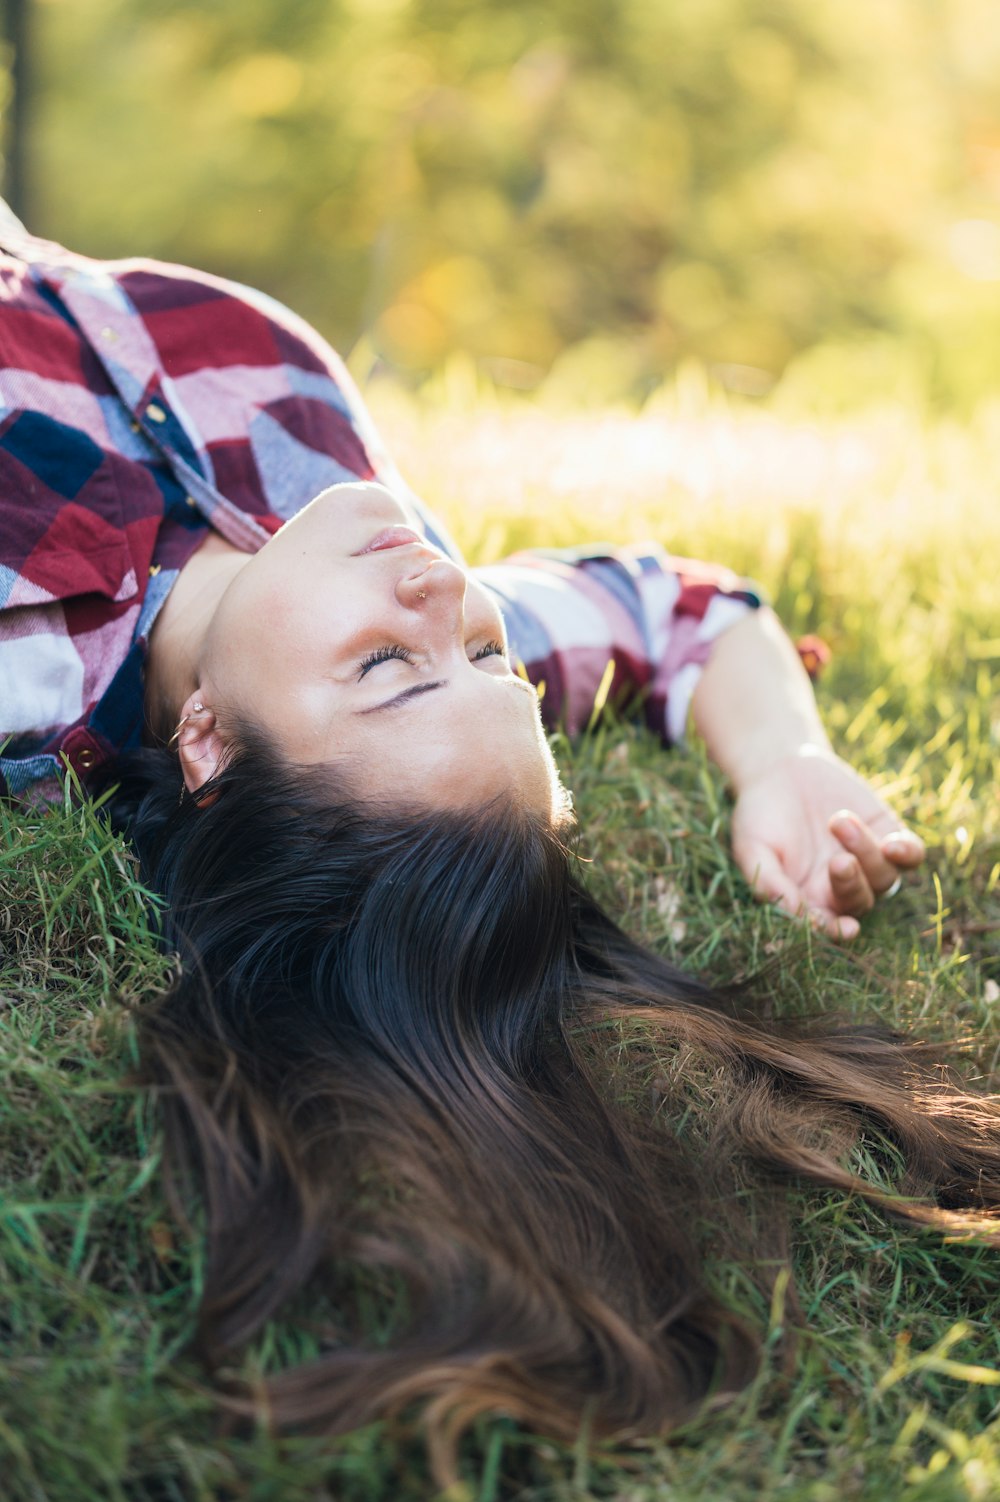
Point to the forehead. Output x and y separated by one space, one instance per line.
448 749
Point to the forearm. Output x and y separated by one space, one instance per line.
754 702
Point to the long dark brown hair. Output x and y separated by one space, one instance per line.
416 1048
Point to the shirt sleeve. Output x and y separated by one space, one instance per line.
656 617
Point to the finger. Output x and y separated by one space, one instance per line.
878 871
834 925
904 848
770 881
767 876
852 891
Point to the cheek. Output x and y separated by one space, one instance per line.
283 611
263 640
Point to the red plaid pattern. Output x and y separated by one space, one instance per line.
143 404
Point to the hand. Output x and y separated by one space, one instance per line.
812 836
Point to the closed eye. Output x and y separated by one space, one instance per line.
394 651
383 654
491 649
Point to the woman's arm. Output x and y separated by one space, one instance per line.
656 617
808 832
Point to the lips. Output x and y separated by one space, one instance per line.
390 537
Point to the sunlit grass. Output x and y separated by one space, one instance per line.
879 532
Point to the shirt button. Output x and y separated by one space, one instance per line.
109 334
155 413
190 500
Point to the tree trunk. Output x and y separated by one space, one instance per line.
17 188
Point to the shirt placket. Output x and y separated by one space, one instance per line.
118 337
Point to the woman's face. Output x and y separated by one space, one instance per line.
349 639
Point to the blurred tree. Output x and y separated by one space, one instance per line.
15 103
606 187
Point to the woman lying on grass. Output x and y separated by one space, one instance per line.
405 1040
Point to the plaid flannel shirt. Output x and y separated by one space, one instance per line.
142 405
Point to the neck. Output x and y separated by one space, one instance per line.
177 641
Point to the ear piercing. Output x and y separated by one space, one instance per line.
196 708
421 594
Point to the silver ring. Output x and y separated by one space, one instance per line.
891 891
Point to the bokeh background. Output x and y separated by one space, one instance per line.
580 195
724 273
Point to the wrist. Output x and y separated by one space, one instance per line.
761 752
754 703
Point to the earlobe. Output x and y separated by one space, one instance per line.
200 746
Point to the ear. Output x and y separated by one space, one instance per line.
199 745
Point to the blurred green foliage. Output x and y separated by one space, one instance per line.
588 190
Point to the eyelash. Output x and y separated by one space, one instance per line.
386 654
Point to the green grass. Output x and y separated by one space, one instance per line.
881 532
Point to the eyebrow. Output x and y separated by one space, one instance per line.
426 688
408 693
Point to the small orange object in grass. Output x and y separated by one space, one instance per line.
815 654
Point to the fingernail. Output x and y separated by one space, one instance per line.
898 842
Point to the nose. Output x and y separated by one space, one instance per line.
438 588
